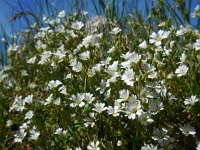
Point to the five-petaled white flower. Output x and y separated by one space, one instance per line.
77 25
124 95
20 136
61 14
59 131
181 70
191 101
93 145
157 38
54 83
128 77
77 100
116 30
188 130
99 107
34 134
143 45
76 65
114 110
132 57
133 108
84 55
29 114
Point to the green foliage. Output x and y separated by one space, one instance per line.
74 82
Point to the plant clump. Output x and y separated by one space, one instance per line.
69 88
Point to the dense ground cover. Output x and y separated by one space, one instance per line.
79 84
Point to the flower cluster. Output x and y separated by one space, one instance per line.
72 89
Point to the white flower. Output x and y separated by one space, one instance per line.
77 25
69 75
145 119
48 100
191 101
71 33
124 95
77 100
40 45
119 143
19 136
54 83
196 13
135 58
63 90
60 54
126 64
76 66
3 40
99 107
34 134
188 130
97 68
9 123
182 30
13 47
89 98
28 99
18 104
198 146
133 108
91 72
61 14
197 45
59 131
90 39
160 134
87 40
113 110
84 55
102 86
132 57
162 24
93 146
128 77
157 38
32 60
179 32
143 45
152 75
84 13
24 73
57 101
149 147
25 125
116 30
183 58
112 69
181 70
106 62
166 51
44 57
29 114
112 49
155 106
